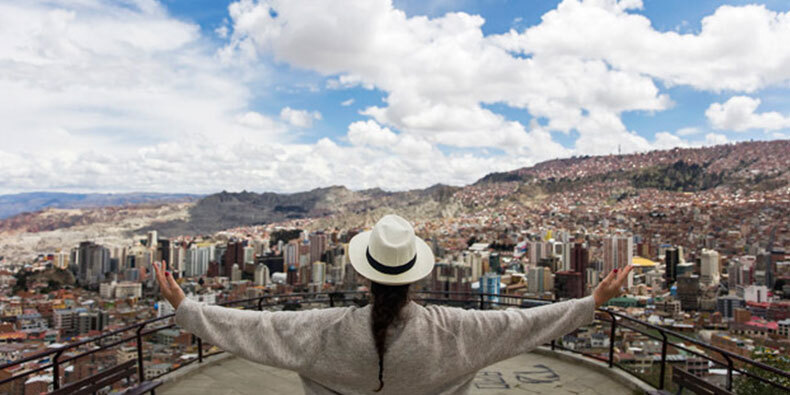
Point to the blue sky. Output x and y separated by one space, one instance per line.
500 16
206 95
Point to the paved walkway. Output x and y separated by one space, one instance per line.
526 374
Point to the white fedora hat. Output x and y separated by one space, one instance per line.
390 253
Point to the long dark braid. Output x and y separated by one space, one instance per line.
388 301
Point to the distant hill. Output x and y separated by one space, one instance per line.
11 205
761 165
225 210
730 169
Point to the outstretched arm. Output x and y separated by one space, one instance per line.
282 339
495 335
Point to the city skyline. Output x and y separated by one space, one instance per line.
114 96
710 258
619 165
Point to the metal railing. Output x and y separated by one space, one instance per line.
462 299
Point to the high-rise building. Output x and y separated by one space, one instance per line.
261 277
162 252
645 250
688 292
304 254
350 277
490 284
726 306
275 263
305 274
568 285
92 263
671 261
478 262
453 278
538 250
618 252
291 253
318 242
579 262
92 321
565 252
152 240
709 267
60 260
319 273
197 260
249 256
67 320
213 269
591 278
235 272
234 254
539 280
177 259
292 275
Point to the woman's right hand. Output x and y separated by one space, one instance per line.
611 286
167 284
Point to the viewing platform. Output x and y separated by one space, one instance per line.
538 372
601 358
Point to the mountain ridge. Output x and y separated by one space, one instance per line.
28 202
745 166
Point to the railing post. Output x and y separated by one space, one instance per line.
56 370
200 350
663 361
729 371
482 305
552 345
331 299
611 340
140 373
260 304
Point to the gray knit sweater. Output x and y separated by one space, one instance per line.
432 350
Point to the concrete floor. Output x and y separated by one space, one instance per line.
533 373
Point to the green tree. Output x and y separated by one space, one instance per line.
750 386
21 281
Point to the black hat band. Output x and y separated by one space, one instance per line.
390 269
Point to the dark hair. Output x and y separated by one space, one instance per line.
388 301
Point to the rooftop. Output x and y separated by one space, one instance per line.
537 372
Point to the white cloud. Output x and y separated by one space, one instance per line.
715 139
666 140
222 31
383 48
688 131
299 118
370 133
738 114
99 96
258 121
127 97
738 48
113 77
346 103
